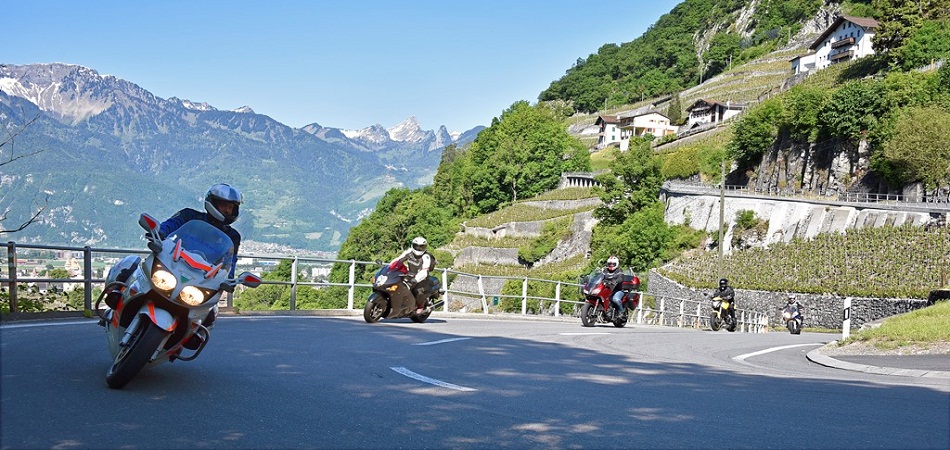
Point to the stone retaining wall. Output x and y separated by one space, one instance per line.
821 311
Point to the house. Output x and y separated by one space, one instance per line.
650 122
846 39
609 133
711 112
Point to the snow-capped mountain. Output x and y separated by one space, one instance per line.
109 150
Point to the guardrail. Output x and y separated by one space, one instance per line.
840 197
681 312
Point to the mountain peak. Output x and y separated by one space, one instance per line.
244 109
407 130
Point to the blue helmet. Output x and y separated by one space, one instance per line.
220 194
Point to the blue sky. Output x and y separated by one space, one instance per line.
343 64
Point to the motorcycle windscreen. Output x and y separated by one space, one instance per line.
200 237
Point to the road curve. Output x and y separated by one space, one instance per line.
338 382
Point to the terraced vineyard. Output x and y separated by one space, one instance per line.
889 262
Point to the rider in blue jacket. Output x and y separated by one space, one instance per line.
222 206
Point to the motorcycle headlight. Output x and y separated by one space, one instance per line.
164 280
595 291
192 296
380 279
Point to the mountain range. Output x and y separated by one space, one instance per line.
94 151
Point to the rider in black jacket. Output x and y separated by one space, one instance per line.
726 292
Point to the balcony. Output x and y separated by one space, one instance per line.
841 56
843 42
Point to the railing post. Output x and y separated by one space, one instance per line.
481 291
682 313
524 296
662 311
11 266
557 299
87 277
445 286
349 294
293 284
699 317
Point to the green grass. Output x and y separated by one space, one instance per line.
920 327
576 193
602 159
519 212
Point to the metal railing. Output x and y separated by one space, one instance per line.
939 202
666 311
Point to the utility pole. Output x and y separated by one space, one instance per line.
722 209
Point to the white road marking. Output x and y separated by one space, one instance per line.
580 334
769 350
47 324
442 341
425 379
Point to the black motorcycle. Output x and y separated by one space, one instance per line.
393 299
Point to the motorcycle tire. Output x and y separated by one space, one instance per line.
373 311
135 356
793 327
620 322
715 323
588 315
419 318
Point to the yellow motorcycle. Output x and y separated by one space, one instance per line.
720 317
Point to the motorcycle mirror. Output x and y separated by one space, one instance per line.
379 262
151 226
249 279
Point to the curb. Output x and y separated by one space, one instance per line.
816 357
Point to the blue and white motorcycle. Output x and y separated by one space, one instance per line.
157 304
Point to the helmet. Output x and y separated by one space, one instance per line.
219 195
723 283
612 263
419 246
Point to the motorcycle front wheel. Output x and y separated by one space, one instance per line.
793 327
132 358
373 310
715 322
588 315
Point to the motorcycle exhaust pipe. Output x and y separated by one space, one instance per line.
438 304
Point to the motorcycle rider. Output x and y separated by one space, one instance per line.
613 278
419 262
726 292
792 301
222 207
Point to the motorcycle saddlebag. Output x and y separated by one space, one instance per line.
630 283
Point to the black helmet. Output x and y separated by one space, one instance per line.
223 193
723 283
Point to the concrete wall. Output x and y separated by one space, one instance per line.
788 218
821 311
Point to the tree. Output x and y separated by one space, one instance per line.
929 43
919 149
755 132
9 159
633 182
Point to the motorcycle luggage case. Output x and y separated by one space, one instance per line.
630 283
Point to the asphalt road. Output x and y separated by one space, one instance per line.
320 382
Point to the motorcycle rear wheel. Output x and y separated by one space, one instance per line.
588 315
135 356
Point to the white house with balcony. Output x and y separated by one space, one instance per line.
609 131
650 122
712 112
848 38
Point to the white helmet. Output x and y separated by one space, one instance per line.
613 263
223 193
419 246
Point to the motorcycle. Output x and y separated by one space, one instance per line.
793 318
598 308
393 299
157 305
720 316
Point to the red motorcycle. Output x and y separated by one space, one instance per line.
598 308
